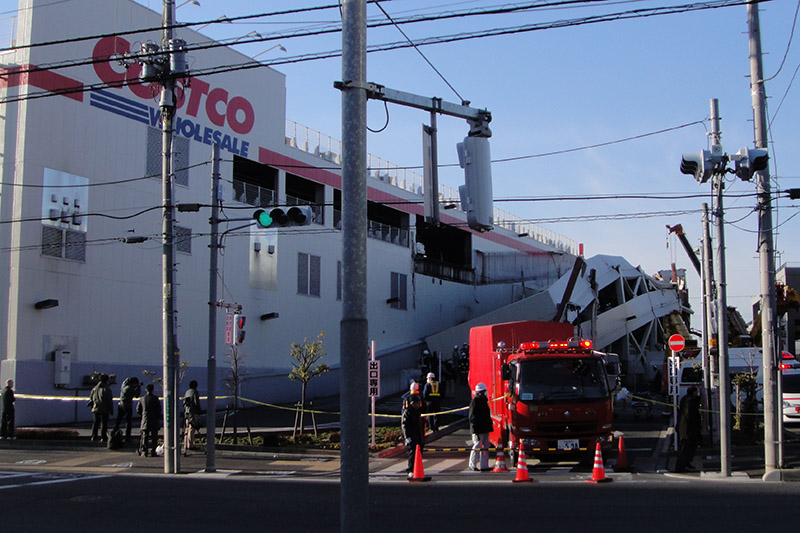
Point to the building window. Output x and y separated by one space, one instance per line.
183 239
64 243
308 274
398 298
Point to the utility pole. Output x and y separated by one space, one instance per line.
722 302
354 488
765 248
171 353
711 370
211 408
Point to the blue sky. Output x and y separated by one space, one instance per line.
559 89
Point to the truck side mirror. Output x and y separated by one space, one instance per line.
505 372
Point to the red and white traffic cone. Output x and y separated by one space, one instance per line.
522 468
500 462
419 472
598 472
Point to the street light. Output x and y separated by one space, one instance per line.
251 34
221 18
278 46
193 2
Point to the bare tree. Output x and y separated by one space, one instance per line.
306 355
238 375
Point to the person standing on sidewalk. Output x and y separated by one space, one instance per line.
101 402
433 400
131 388
191 415
412 425
7 406
689 425
150 410
480 424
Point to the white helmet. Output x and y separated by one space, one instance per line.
431 375
480 387
414 388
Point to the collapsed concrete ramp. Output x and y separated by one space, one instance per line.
608 300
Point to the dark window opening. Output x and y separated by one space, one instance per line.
300 191
445 244
254 183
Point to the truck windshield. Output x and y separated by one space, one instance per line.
559 380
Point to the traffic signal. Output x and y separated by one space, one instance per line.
749 161
702 165
277 217
238 328
476 194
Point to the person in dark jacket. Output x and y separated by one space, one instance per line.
131 388
412 425
689 425
101 401
150 410
191 416
7 406
480 425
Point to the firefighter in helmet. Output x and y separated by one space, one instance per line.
432 396
412 425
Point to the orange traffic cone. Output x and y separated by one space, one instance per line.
522 468
598 472
622 457
419 473
500 462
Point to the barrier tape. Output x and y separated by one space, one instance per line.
256 402
671 405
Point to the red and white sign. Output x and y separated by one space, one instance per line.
676 343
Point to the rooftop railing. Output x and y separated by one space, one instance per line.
330 149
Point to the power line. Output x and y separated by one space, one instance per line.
625 15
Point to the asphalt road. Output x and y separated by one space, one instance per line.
148 503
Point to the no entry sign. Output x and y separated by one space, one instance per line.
676 343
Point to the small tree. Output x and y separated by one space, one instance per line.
238 375
306 356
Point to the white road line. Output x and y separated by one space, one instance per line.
443 465
49 481
395 468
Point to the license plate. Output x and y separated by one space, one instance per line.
568 444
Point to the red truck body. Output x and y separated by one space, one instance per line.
547 390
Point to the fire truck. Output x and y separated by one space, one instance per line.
548 391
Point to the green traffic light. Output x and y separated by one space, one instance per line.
262 218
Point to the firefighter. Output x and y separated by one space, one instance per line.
412 425
480 425
433 400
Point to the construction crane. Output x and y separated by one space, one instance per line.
678 230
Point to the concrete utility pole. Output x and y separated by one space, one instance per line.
765 249
354 492
711 373
171 353
722 303
211 408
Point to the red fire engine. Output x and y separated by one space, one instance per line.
547 390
